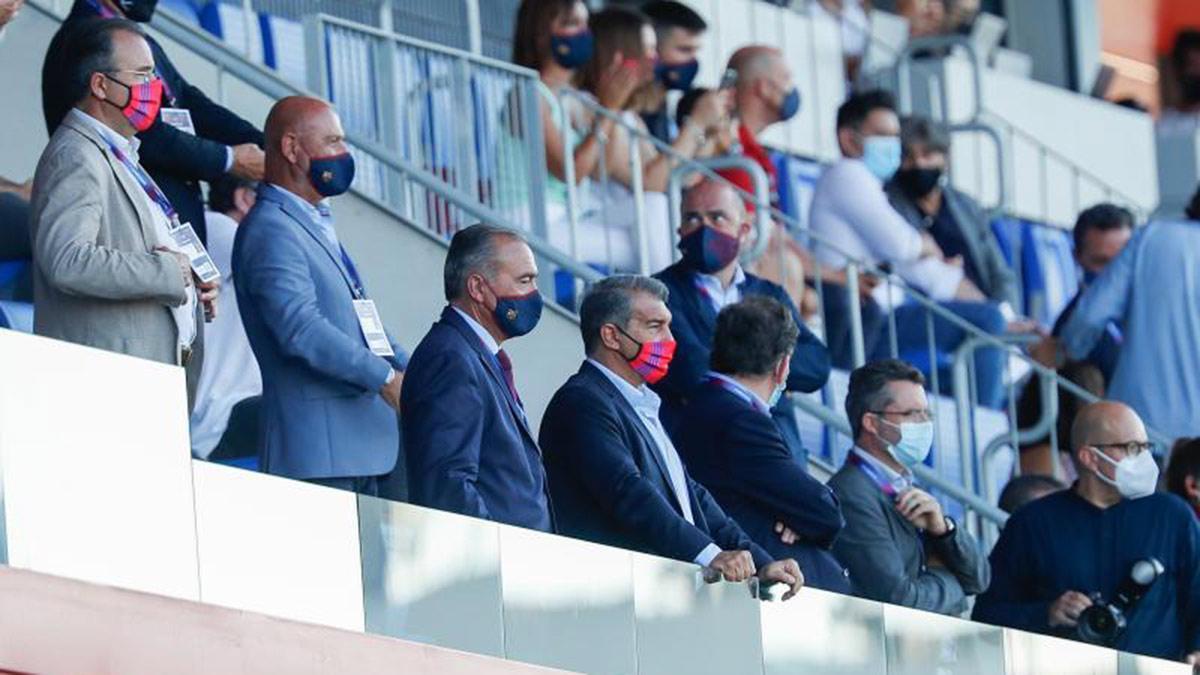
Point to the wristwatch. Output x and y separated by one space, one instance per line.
951 526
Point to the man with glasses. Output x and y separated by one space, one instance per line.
1060 553
897 543
108 272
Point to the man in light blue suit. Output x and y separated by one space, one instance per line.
331 377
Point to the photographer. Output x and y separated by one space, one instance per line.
1065 564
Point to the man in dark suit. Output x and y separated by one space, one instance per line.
193 140
733 447
468 444
615 476
331 379
707 278
899 546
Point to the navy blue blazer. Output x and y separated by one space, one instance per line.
610 485
738 453
694 321
177 160
467 443
322 415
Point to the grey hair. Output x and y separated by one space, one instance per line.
610 300
473 251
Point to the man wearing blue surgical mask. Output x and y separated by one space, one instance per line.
898 544
1059 554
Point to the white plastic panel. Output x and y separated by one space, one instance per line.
279 547
97 471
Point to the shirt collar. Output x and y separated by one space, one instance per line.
488 341
317 212
898 480
741 390
739 277
110 136
641 398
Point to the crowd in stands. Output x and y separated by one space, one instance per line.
675 437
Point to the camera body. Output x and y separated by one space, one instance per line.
1104 622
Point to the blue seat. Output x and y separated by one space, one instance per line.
797 181
16 316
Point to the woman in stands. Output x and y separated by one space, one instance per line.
625 41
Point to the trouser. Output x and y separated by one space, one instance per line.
837 325
240 439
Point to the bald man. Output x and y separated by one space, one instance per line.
331 376
714 228
765 94
1061 552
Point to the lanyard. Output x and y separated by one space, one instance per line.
874 474
148 185
358 290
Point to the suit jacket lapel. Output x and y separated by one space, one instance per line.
589 371
490 364
697 302
134 192
306 223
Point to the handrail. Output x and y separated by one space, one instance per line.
762 197
274 86
969 500
903 68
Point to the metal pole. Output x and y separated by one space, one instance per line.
248 24
474 27
639 205
568 143
856 330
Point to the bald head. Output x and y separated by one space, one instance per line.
709 195
764 83
298 129
754 61
1106 422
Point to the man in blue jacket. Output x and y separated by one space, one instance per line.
331 377
733 447
615 475
468 444
714 227
193 140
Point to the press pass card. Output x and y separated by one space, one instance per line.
180 118
189 244
372 328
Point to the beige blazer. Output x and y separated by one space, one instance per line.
97 280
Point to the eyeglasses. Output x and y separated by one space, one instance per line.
140 76
919 414
1130 447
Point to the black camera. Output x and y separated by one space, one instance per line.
1103 622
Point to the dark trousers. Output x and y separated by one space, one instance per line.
837 325
240 439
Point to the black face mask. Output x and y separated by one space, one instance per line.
137 10
917 183
1189 88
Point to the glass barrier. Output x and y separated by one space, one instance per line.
1033 654
922 642
827 633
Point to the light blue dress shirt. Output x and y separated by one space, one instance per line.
722 297
1152 290
646 403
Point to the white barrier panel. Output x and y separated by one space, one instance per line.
97 472
278 546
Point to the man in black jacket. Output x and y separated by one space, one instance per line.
193 140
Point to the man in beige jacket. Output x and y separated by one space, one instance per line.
107 272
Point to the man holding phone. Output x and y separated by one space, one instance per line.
897 543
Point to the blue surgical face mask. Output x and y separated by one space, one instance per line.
678 76
776 395
881 154
518 315
332 175
790 105
916 440
573 50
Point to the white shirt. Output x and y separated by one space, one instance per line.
719 296
850 210
230 371
493 347
185 314
646 403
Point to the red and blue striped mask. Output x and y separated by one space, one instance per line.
652 359
145 100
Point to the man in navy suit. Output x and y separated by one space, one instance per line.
733 447
469 446
331 381
615 476
714 227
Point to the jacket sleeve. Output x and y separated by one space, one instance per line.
67 213
725 531
588 439
769 475
1104 300
274 272
1009 600
963 559
442 442
867 549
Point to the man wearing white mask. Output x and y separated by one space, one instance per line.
1062 557
897 544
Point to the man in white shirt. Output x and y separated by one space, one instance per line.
615 477
853 220
224 422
